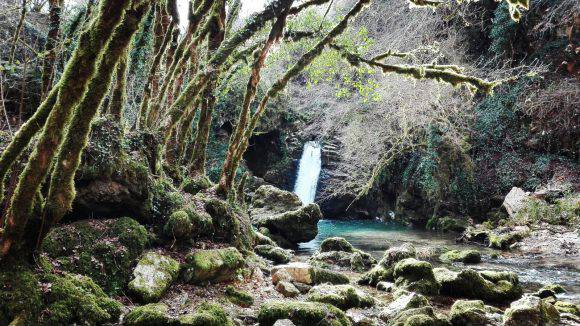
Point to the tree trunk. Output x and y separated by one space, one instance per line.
119 97
55 10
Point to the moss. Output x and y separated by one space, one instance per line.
273 253
301 313
77 299
105 250
385 268
231 224
238 297
464 256
341 296
207 314
215 265
202 222
154 314
336 244
422 316
153 276
321 275
195 185
448 224
556 288
471 284
468 312
417 276
568 307
532 311
504 241
20 294
179 225
164 200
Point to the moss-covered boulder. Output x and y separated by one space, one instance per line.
282 213
307 274
417 276
179 225
238 297
274 253
302 313
262 239
287 289
20 293
462 256
357 260
153 314
105 250
505 239
195 185
404 300
153 276
448 224
531 311
568 307
76 299
336 244
214 265
471 284
231 224
471 312
556 288
423 316
207 314
383 271
341 296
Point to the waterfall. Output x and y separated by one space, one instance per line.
308 172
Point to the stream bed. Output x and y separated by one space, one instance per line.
375 236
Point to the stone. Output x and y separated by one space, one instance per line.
361 261
568 307
386 286
417 276
281 275
262 239
303 288
531 311
179 225
404 300
284 322
336 244
239 297
448 224
282 213
357 261
341 296
301 313
383 271
152 276
274 253
515 200
471 284
105 250
207 314
468 312
556 288
287 289
307 274
504 238
463 256
214 265
153 314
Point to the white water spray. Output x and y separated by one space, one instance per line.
308 172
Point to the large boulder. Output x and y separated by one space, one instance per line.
105 250
214 265
531 311
207 314
282 214
417 276
423 316
230 223
336 244
153 314
274 253
301 313
153 276
515 200
307 274
463 256
341 296
403 301
493 287
473 312
339 252
383 271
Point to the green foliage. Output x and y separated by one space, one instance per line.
564 211
503 32
20 294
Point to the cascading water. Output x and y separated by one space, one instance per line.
308 172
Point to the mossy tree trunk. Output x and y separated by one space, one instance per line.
55 10
119 95
78 72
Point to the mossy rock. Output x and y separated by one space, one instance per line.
503 241
404 300
164 200
207 314
20 293
262 239
153 276
417 276
448 224
336 244
230 223
322 275
104 250
238 297
195 185
302 313
468 312
76 299
179 225
341 296
214 265
383 271
361 261
423 316
568 307
153 314
273 253
531 310
556 288
202 222
463 256
471 284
